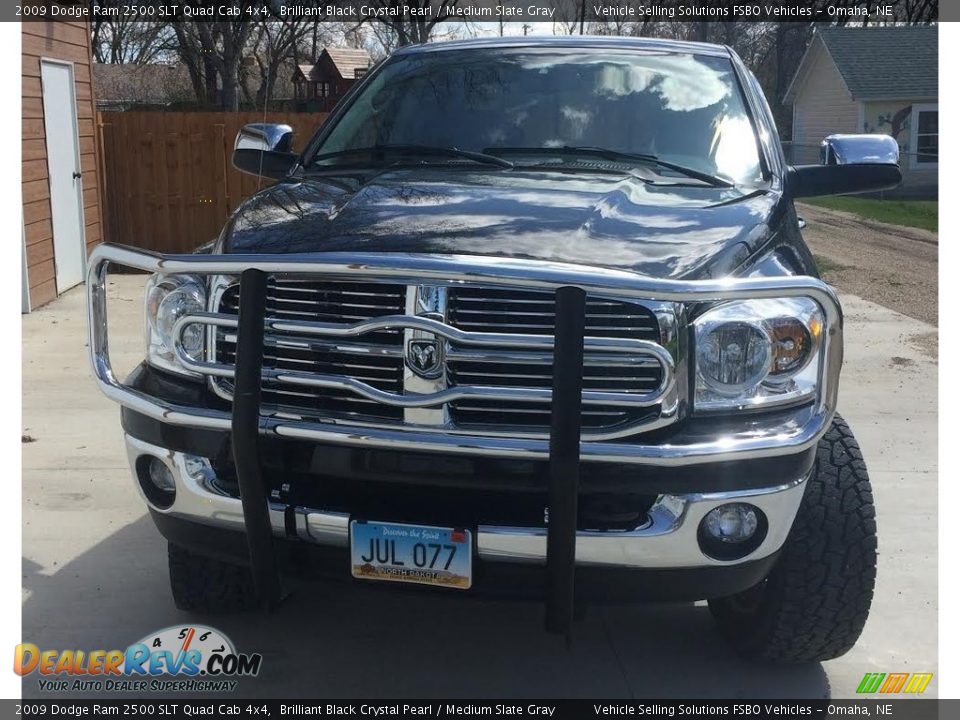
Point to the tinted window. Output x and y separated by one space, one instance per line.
684 108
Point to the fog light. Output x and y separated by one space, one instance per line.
156 481
732 531
161 476
732 523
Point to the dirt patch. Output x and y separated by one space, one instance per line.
927 343
890 265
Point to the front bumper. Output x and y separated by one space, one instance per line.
668 538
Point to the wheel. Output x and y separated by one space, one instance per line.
815 601
203 584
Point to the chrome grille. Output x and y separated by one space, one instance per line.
299 366
376 360
531 312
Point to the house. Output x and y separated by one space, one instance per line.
131 86
60 169
320 86
871 80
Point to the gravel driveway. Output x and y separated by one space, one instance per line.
890 265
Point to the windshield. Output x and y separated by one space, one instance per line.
682 108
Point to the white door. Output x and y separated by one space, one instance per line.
63 167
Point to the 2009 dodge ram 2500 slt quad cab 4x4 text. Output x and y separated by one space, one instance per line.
525 315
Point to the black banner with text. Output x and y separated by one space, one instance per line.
553 709
567 11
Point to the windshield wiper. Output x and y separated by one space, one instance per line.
423 150
616 156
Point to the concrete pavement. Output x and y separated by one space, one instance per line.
94 567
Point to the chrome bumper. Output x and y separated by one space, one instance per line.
668 540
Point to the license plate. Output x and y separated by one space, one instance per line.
420 554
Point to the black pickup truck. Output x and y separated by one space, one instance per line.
526 315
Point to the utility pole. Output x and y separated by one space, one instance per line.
583 14
500 6
525 29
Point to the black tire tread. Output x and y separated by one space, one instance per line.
817 598
202 584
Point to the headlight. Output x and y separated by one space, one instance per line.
756 353
169 298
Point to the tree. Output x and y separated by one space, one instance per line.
274 45
197 57
404 22
212 53
117 40
571 15
227 40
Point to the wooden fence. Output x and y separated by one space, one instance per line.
168 183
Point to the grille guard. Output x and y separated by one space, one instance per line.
797 433
571 284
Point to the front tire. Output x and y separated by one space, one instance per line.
814 603
202 584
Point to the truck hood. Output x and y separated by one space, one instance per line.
599 219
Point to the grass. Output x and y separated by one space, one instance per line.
828 265
912 213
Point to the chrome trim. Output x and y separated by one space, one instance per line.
789 436
667 540
219 284
429 301
540 357
439 397
406 268
462 337
799 431
860 149
459 392
264 136
668 416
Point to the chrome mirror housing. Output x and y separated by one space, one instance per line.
265 136
877 149
848 164
265 150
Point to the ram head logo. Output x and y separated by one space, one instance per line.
425 357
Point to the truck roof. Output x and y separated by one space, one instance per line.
571 42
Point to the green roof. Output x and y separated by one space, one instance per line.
885 62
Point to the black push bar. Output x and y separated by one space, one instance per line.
564 468
245 436
564 465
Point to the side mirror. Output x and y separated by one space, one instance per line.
264 149
849 164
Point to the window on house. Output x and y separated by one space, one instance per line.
927 142
324 89
924 136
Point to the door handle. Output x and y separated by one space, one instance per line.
76 176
